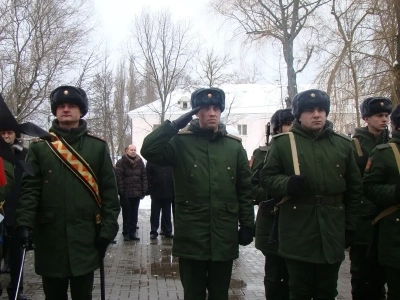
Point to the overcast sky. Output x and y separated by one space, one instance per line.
115 18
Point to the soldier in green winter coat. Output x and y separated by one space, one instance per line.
382 186
321 188
72 190
276 278
212 194
367 276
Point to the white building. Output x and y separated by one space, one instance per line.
248 108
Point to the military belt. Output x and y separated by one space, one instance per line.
319 200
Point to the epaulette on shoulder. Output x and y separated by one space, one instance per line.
280 134
383 146
185 131
233 137
343 136
264 148
96 136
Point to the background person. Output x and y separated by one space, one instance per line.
367 275
161 189
132 187
276 277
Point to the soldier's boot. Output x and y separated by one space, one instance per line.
19 297
283 289
276 290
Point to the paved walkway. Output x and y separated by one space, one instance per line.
146 270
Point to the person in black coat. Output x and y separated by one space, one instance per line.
11 245
132 187
161 190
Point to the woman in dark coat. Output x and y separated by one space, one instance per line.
132 187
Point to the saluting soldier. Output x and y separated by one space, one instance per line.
212 194
276 277
367 276
382 187
71 200
314 170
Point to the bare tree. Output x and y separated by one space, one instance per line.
246 74
278 20
342 69
160 52
121 131
212 68
101 118
39 44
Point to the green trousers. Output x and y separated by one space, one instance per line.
367 275
56 288
393 283
199 276
312 281
276 279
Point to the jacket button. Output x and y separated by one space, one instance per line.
397 219
50 171
46 181
340 175
187 201
228 168
337 166
294 207
195 166
191 175
362 201
232 177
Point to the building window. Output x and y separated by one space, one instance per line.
155 126
242 129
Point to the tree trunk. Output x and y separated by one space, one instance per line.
396 69
291 73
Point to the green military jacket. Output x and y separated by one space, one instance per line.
380 180
265 214
308 232
61 210
212 188
364 233
9 171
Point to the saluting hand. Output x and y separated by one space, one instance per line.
183 120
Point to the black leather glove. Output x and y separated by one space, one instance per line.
245 235
183 120
25 237
348 239
102 244
295 185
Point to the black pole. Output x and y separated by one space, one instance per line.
101 260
